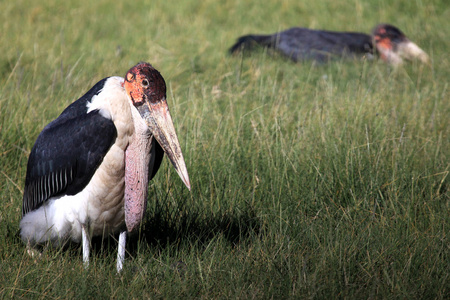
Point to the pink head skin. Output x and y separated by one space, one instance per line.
146 89
393 46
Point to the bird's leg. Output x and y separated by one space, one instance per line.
86 245
33 252
121 251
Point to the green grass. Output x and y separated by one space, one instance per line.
307 181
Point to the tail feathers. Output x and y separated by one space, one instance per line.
247 42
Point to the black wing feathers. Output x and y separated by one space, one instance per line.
302 43
159 155
67 152
247 42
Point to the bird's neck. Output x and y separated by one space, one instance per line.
137 159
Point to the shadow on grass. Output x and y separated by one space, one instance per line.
195 226
165 226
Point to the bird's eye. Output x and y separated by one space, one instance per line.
145 83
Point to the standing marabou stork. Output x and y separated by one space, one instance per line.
89 169
321 45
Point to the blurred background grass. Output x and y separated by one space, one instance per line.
308 181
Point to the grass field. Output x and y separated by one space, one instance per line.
308 181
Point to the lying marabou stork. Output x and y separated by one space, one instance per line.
89 169
320 45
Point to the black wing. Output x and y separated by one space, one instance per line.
67 153
303 43
155 164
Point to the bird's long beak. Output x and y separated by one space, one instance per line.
158 119
411 51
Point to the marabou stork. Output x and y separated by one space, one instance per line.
320 45
89 169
